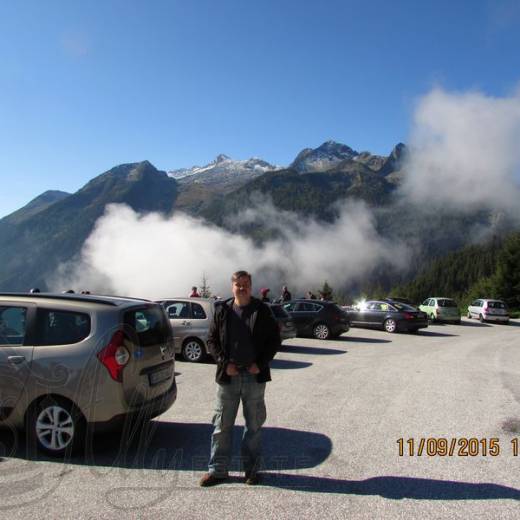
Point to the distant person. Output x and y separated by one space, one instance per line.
194 293
243 339
310 295
264 294
286 295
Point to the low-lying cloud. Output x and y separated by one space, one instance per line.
154 256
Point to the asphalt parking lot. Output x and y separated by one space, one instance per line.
336 412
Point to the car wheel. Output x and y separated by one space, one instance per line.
55 426
390 325
469 315
193 350
481 318
431 318
321 331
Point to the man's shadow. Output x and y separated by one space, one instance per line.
170 447
395 488
183 447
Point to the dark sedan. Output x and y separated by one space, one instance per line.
320 319
388 315
284 320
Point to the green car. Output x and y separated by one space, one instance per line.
441 309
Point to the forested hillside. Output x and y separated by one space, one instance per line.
491 270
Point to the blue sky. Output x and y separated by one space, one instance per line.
85 86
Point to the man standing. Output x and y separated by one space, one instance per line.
286 295
243 338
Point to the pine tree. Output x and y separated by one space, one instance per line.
326 292
205 291
507 277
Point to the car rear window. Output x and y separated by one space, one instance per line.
150 325
198 312
403 306
496 305
57 327
447 303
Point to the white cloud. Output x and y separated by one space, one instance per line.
154 256
465 152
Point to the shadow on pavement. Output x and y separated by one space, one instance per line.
285 364
394 487
184 447
311 350
362 340
474 324
434 334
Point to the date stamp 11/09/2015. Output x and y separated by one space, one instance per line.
457 447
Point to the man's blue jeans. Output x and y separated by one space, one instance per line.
242 387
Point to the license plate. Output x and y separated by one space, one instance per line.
160 376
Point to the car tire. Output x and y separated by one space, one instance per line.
469 315
431 318
56 427
390 325
481 318
193 350
321 331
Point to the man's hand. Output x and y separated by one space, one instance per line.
231 369
253 369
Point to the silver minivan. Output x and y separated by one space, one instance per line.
190 319
488 310
73 363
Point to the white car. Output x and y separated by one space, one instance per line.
489 310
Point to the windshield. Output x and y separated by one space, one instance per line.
496 305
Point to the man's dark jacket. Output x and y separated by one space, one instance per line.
265 336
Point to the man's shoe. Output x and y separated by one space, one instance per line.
252 479
208 479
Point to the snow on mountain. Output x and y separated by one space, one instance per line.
223 171
323 158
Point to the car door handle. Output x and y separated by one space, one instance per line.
186 323
16 360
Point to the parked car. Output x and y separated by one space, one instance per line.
320 319
388 315
285 322
190 319
441 309
489 310
71 363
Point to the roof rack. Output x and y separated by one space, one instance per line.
67 297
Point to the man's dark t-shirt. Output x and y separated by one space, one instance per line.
241 350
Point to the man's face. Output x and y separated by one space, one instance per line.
242 288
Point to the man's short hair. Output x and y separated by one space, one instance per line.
240 274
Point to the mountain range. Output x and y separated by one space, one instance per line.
52 228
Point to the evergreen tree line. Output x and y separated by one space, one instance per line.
479 271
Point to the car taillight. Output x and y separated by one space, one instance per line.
408 316
115 356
